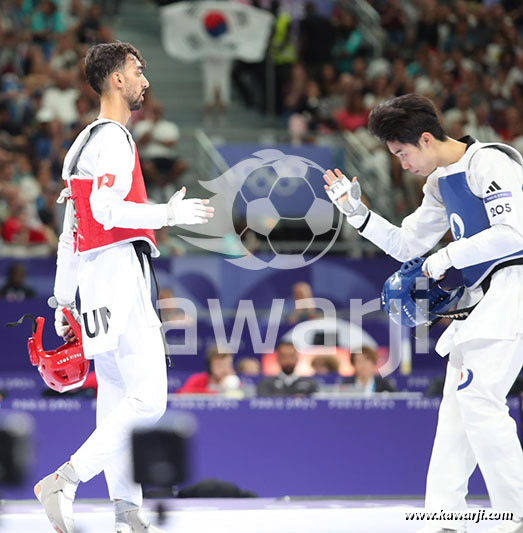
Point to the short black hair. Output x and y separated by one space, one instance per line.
405 118
103 59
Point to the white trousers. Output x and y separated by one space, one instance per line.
132 392
475 428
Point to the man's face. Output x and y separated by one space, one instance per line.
419 159
287 358
301 290
363 368
135 83
221 367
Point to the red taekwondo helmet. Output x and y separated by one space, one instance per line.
62 369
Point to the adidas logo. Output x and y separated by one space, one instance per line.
493 187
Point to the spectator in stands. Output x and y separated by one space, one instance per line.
24 177
359 74
512 131
427 29
461 36
380 91
49 212
216 72
298 130
324 365
365 379
394 22
46 23
15 287
354 115
37 40
401 82
287 382
314 111
65 55
248 366
157 138
7 125
315 39
215 378
283 53
48 141
462 113
301 290
172 312
482 128
329 80
59 100
348 43
86 114
20 228
296 89
91 29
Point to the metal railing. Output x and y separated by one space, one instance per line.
375 179
369 21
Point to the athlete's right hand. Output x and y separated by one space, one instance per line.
191 211
346 196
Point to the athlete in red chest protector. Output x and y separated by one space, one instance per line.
108 235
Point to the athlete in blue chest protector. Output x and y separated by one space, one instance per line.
475 189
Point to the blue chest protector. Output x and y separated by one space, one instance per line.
467 216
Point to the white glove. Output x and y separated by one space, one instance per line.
346 196
192 211
61 326
437 264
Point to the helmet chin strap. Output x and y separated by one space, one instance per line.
20 320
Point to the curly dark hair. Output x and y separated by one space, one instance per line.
405 118
103 59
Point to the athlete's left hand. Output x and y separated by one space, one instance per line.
437 264
346 196
191 211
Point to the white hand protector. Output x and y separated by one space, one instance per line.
192 211
346 196
61 326
437 264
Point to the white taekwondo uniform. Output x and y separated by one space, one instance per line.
106 212
486 349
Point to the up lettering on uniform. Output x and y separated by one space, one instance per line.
104 315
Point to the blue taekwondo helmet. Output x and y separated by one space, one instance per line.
410 302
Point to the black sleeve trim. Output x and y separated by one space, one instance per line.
364 225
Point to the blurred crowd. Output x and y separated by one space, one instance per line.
466 56
45 101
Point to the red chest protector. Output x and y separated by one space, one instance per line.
90 234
